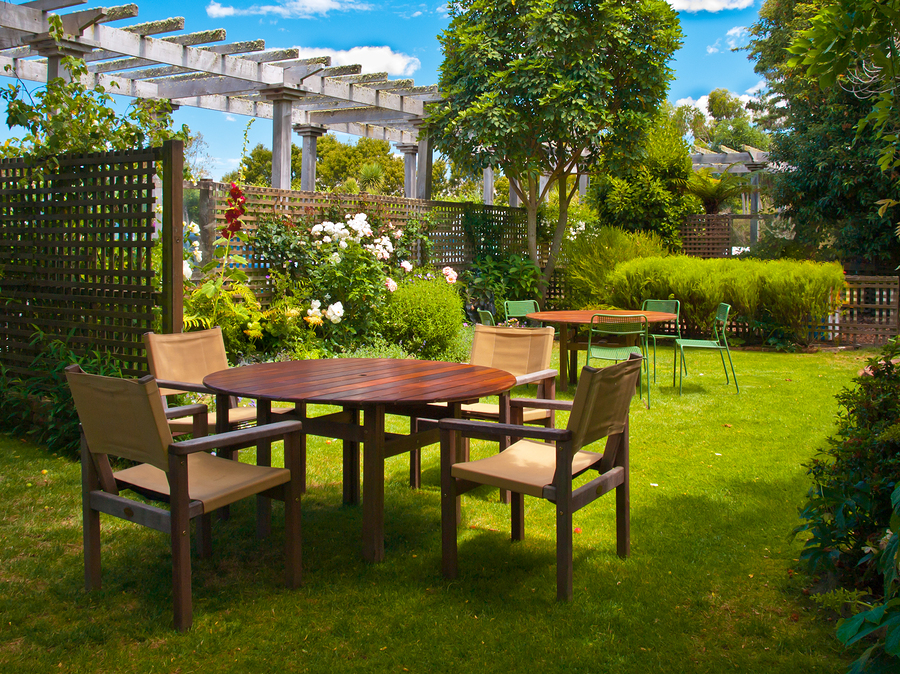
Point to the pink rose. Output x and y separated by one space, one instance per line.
390 284
407 266
449 274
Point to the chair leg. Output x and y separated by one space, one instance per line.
517 516
181 542
724 366
294 448
564 571
415 458
733 375
204 536
654 363
90 519
623 501
449 505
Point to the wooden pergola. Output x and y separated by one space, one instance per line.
308 96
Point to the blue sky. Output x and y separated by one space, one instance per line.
401 38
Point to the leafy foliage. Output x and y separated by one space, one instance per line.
713 192
41 406
830 179
490 281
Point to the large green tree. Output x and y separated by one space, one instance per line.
828 179
729 125
538 87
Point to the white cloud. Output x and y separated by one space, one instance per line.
443 10
756 88
735 37
709 5
372 59
230 118
286 9
415 14
699 103
714 47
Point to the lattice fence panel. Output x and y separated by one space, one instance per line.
75 255
707 236
869 312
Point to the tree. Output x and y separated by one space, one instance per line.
538 87
713 192
196 157
646 194
730 126
257 167
829 178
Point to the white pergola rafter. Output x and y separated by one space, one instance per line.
241 78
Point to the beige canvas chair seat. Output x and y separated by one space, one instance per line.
534 467
237 416
489 411
212 481
526 467
125 418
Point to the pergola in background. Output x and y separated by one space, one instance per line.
308 96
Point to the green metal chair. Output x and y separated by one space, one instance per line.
609 337
719 342
486 317
519 309
670 307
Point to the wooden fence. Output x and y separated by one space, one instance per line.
75 252
869 315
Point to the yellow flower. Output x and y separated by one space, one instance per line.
313 320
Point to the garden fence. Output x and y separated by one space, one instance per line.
75 252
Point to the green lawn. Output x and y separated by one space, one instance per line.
716 481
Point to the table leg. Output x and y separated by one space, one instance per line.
415 458
263 458
373 483
351 463
564 357
223 402
505 440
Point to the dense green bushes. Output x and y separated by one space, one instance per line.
424 316
779 299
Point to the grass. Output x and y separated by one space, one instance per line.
710 586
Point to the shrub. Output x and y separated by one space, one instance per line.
423 316
848 510
591 253
783 296
41 406
492 280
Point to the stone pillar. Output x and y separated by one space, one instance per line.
281 143
309 134
584 180
423 178
754 208
409 151
487 187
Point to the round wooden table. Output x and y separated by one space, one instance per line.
583 317
376 387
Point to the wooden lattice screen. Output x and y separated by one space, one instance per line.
75 253
869 312
707 236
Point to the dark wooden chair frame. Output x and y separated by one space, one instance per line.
100 494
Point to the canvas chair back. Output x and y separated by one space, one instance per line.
122 417
601 403
186 356
518 351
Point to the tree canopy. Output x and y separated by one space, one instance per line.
730 125
538 87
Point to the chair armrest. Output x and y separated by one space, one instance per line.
490 429
541 403
183 386
540 375
235 439
186 411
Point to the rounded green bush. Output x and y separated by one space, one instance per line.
424 316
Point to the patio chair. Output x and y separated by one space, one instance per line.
533 467
670 307
125 418
486 317
180 361
612 337
718 342
523 352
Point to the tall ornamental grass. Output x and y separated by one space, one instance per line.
787 296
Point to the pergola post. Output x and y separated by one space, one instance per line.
487 186
754 208
310 134
281 144
584 180
409 151
423 178
513 195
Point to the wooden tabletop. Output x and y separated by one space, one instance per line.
342 381
583 317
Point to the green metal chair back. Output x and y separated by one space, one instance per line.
486 317
670 307
518 309
718 342
620 327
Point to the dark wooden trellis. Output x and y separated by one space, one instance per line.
75 254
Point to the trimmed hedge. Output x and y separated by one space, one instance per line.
778 296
